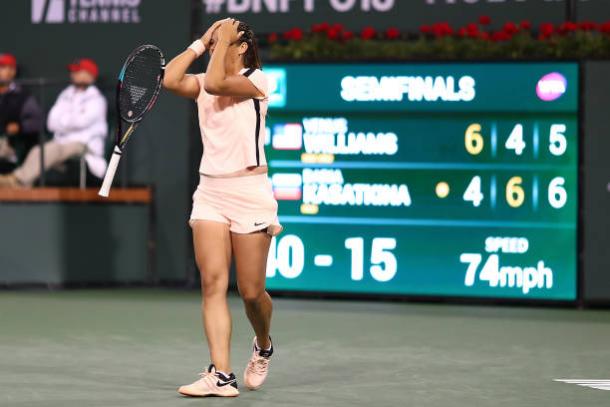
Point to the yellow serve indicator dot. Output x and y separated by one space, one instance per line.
442 189
317 158
309 209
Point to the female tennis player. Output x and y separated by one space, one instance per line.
234 211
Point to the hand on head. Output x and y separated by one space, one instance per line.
207 37
228 33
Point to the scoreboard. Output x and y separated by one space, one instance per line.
447 179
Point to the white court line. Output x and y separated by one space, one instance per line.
590 383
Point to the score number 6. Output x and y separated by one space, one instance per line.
473 140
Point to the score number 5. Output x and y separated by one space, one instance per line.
383 262
557 140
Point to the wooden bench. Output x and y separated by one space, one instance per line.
141 195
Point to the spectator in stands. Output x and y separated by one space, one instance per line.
20 116
78 123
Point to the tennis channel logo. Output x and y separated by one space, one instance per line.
85 11
277 86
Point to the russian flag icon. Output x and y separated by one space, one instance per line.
287 186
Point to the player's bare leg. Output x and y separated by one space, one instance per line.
251 260
213 256
212 243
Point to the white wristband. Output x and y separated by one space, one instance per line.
198 47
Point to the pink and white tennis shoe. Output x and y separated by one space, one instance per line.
258 366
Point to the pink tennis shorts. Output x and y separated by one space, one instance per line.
245 203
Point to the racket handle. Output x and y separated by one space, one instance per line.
112 167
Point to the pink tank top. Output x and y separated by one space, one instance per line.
232 128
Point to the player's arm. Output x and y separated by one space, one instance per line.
217 82
176 78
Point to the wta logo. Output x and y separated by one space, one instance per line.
551 87
85 11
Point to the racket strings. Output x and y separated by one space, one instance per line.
140 83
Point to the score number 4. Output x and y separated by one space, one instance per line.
474 141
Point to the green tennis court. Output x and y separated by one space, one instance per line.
133 347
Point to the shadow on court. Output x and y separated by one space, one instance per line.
135 347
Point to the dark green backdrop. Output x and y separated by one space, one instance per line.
159 152
280 15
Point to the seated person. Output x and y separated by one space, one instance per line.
21 118
78 123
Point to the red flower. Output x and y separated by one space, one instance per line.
295 34
547 29
500 36
510 28
442 29
319 28
587 26
605 27
568 27
339 27
368 33
462 32
425 29
526 25
333 33
484 20
271 38
348 35
472 29
392 33
484 36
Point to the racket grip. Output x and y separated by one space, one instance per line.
112 167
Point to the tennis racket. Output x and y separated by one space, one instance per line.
137 91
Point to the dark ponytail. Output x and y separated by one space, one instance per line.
251 58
